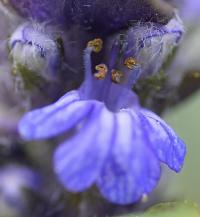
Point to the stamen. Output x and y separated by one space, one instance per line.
130 62
102 71
96 45
117 76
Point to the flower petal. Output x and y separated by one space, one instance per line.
78 161
169 147
132 169
54 119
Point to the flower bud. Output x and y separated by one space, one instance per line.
150 43
34 49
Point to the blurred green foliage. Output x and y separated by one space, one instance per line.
185 119
174 209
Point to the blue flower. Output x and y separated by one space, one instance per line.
112 142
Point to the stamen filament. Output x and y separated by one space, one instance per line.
92 46
88 71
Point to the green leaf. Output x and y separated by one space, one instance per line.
171 209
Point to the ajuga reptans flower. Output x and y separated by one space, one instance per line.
116 145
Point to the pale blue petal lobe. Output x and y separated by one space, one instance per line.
169 148
131 169
77 162
55 118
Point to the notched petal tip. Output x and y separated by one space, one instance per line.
169 148
181 153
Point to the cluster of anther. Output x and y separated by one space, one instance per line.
117 76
